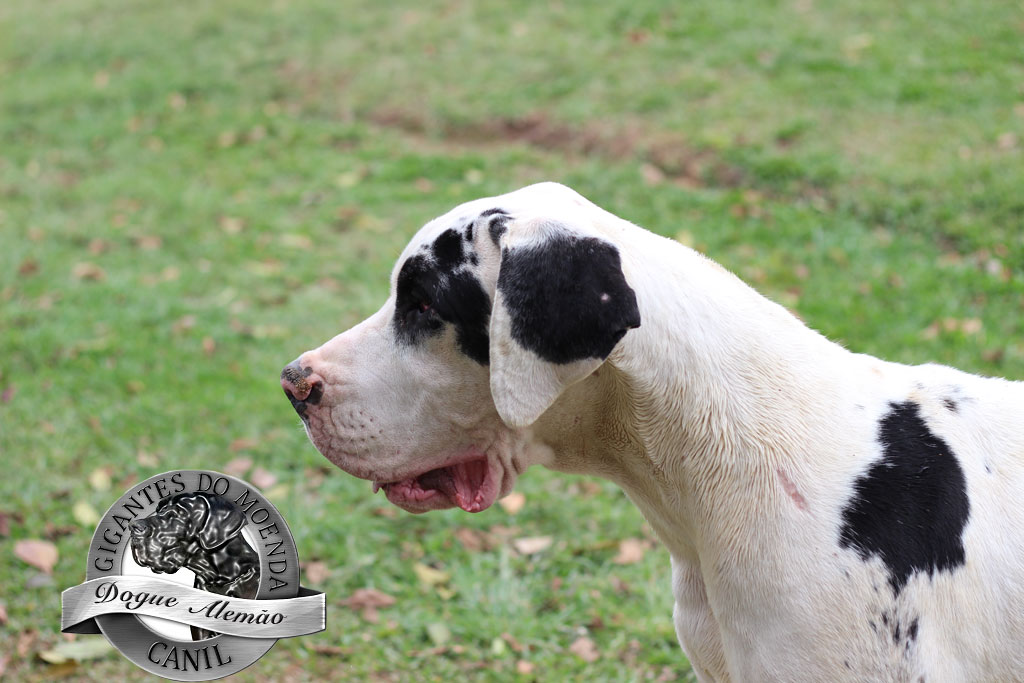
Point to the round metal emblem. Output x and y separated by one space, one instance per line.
205 530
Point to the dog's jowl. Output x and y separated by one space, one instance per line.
829 515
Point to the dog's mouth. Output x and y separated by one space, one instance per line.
472 485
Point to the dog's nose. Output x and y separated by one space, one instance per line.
301 385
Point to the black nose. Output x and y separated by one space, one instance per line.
302 386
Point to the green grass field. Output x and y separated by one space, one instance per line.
193 193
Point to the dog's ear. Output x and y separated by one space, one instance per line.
561 305
224 522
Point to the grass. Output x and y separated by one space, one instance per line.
193 193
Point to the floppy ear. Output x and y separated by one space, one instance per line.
224 523
560 306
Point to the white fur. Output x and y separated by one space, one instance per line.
737 431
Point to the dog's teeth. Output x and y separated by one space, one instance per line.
376 487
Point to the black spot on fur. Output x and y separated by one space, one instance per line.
469 232
567 297
951 405
912 630
447 250
497 225
911 506
430 293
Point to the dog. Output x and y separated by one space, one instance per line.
830 516
201 532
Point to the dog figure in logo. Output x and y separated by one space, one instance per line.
201 532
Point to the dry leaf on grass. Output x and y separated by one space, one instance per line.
531 544
238 466
243 444
262 478
26 639
40 554
475 540
85 514
429 576
585 649
3 614
77 651
99 479
631 551
368 597
316 571
88 271
513 502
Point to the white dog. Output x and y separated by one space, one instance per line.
830 516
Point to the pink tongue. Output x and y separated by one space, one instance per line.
461 483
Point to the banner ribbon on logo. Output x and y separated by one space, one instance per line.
158 597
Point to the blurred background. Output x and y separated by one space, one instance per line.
193 193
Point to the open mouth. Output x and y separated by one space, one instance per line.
471 485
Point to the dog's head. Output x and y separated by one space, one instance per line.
181 526
496 308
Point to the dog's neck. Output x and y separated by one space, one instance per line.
700 404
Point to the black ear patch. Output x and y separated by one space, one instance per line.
567 297
911 506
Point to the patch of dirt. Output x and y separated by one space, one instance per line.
674 158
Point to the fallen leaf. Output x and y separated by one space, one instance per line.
362 598
524 667
631 551
316 571
184 323
3 614
651 174
429 576
262 478
26 639
585 649
99 479
28 267
77 650
531 544
238 466
439 633
513 502
209 346
231 225
512 642
88 271
85 514
472 540
149 242
242 444
38 553
146 459
277 493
